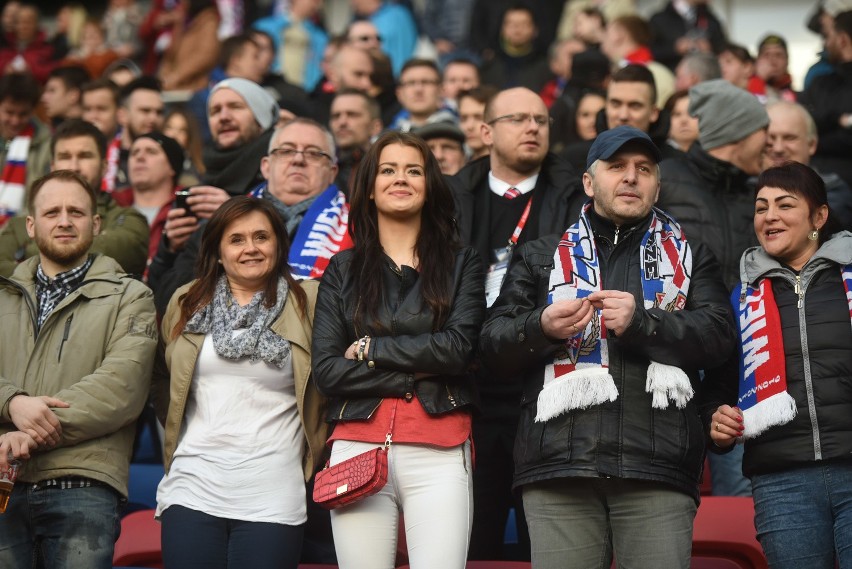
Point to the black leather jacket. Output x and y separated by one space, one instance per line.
626 438
355 389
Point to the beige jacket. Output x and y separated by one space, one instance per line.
95 351
172 385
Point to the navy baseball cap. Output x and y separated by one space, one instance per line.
610 141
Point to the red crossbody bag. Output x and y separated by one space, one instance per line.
355 478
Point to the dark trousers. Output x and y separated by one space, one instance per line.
193 539
494 437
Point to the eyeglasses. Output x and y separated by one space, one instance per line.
289 154
365 39
519 119
419 83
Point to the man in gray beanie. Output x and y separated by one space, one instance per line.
241 115
707 190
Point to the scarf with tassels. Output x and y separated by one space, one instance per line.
13 179
763 397
579 377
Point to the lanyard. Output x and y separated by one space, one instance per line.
519 228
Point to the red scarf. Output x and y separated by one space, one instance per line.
14 177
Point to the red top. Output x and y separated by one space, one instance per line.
412 425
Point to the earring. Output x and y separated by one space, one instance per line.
219 261
813 235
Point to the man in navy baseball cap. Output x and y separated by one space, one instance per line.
622 176
610 141
609 325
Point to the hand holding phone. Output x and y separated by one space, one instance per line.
180 202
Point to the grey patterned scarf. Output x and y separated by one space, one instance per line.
224 315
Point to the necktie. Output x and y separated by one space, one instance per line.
511 193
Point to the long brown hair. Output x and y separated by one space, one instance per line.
209 269
436 245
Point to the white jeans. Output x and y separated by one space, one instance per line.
431 486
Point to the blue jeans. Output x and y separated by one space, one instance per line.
726 473
579 523
804 516
193 539
68 529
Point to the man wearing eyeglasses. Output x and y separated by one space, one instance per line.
419 93
299 169
516 194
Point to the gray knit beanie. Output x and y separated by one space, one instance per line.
725 113
262 105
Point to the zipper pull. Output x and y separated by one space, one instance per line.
799 293
616 236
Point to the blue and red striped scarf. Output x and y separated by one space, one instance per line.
579 376
763 397
321 234
13 179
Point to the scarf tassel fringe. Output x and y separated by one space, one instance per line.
667 384
777 410
579 389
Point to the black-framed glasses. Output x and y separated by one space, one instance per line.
520 119
311 155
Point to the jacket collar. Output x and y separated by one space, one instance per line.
756 263
723 176
101 278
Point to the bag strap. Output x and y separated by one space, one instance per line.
388 437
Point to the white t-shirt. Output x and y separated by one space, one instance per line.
241 445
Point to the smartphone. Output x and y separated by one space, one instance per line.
180 202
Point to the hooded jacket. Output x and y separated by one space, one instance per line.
95 352
816 337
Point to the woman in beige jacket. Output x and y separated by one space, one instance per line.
244 427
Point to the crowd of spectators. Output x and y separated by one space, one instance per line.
173 111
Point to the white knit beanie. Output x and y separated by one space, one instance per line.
261 103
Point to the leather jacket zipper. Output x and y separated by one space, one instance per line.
450 396
342 409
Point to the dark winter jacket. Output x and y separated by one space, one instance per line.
827 98
625 438
713 202
817 337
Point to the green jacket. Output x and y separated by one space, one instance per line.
171 389
123 236
38 157
95 352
